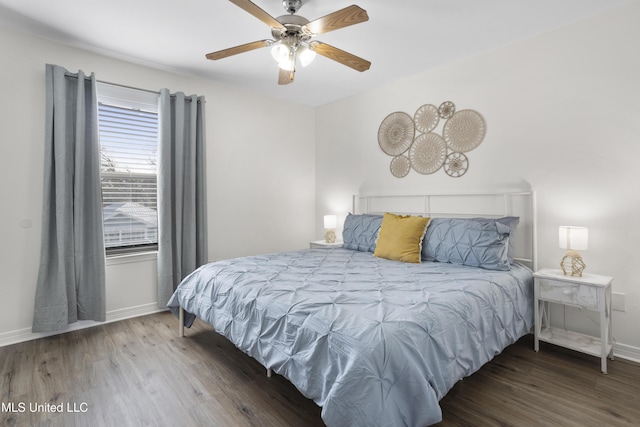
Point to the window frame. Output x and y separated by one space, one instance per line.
135 99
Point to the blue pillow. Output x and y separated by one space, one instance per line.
480 242
360 232
511 222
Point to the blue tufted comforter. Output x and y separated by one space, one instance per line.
373 342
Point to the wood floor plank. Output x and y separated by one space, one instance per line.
138 372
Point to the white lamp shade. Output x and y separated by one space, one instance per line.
330 221
306 55
287 65
280 52
284 55
573 238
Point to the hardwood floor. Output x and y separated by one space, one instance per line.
139 372
555 387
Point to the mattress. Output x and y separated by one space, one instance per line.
373 342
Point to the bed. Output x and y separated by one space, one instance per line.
376 341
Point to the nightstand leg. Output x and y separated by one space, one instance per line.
536 319
542 322
610 329
605 319
536 327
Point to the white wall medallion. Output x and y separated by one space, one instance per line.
396 133
464 131
415 143
426 118
456 164
400 166
446 110
427 153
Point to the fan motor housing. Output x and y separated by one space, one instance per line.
292 20
294 27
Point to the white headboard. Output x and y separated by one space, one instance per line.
488 205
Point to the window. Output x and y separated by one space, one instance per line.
128 121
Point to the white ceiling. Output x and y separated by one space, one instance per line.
401 38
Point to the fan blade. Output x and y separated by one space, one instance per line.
253 9
285 77
341 56
238 49
350 15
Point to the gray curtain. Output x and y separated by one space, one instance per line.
182 216
71 279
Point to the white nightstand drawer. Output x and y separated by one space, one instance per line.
321 244
569 293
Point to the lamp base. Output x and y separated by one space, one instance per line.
572 264
330 236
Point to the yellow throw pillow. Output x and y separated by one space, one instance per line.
401 237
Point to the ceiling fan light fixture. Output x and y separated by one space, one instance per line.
306 55
285 55
288 65
280 52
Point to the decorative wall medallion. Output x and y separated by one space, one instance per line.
456 164
430 151
400 166
396 133
427 153
426 118
446 110
464 131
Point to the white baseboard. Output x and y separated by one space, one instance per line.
627 352
22 335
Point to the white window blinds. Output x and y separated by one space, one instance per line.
128 149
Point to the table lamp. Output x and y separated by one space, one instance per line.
573 239
330 223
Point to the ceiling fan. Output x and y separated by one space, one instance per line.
293 34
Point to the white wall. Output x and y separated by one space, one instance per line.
260 184
563 118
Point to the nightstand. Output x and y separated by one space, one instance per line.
321 244
589 292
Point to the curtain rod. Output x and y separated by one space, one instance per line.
68 74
